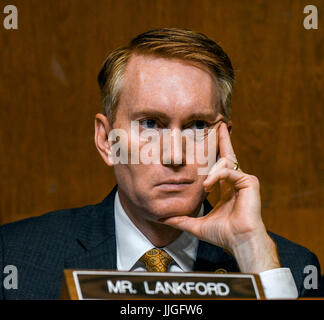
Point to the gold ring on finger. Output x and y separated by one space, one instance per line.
236 166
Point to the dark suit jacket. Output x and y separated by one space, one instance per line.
42 247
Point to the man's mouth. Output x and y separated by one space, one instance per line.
175 184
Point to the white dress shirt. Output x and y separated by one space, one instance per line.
132 244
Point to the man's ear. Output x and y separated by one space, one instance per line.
102 129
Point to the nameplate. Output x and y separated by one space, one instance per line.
111 285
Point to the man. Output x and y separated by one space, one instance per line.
172 81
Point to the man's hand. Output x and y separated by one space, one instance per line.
235 223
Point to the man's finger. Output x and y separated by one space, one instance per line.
183 223
211 180
238 179
225 146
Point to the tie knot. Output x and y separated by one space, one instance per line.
156 260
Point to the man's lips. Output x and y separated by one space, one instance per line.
174 184
176 181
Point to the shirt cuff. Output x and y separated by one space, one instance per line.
278 284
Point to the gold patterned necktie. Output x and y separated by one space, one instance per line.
156 260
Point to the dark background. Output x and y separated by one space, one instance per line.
49 97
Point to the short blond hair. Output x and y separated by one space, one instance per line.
169 43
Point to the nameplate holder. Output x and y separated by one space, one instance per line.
117 285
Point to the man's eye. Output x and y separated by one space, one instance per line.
199 124
149 124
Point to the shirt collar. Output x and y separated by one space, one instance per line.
132 244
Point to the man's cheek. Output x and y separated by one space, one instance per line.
118 151
150 147
144 145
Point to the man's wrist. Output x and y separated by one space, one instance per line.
256 254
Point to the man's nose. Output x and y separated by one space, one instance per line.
173 148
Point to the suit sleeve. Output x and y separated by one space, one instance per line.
312 285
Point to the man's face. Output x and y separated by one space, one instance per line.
160 94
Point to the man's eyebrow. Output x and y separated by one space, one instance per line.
206 116
209 116
150 113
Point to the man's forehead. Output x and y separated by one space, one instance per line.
169 81
149 64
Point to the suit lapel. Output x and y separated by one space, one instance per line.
95 244
211 258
